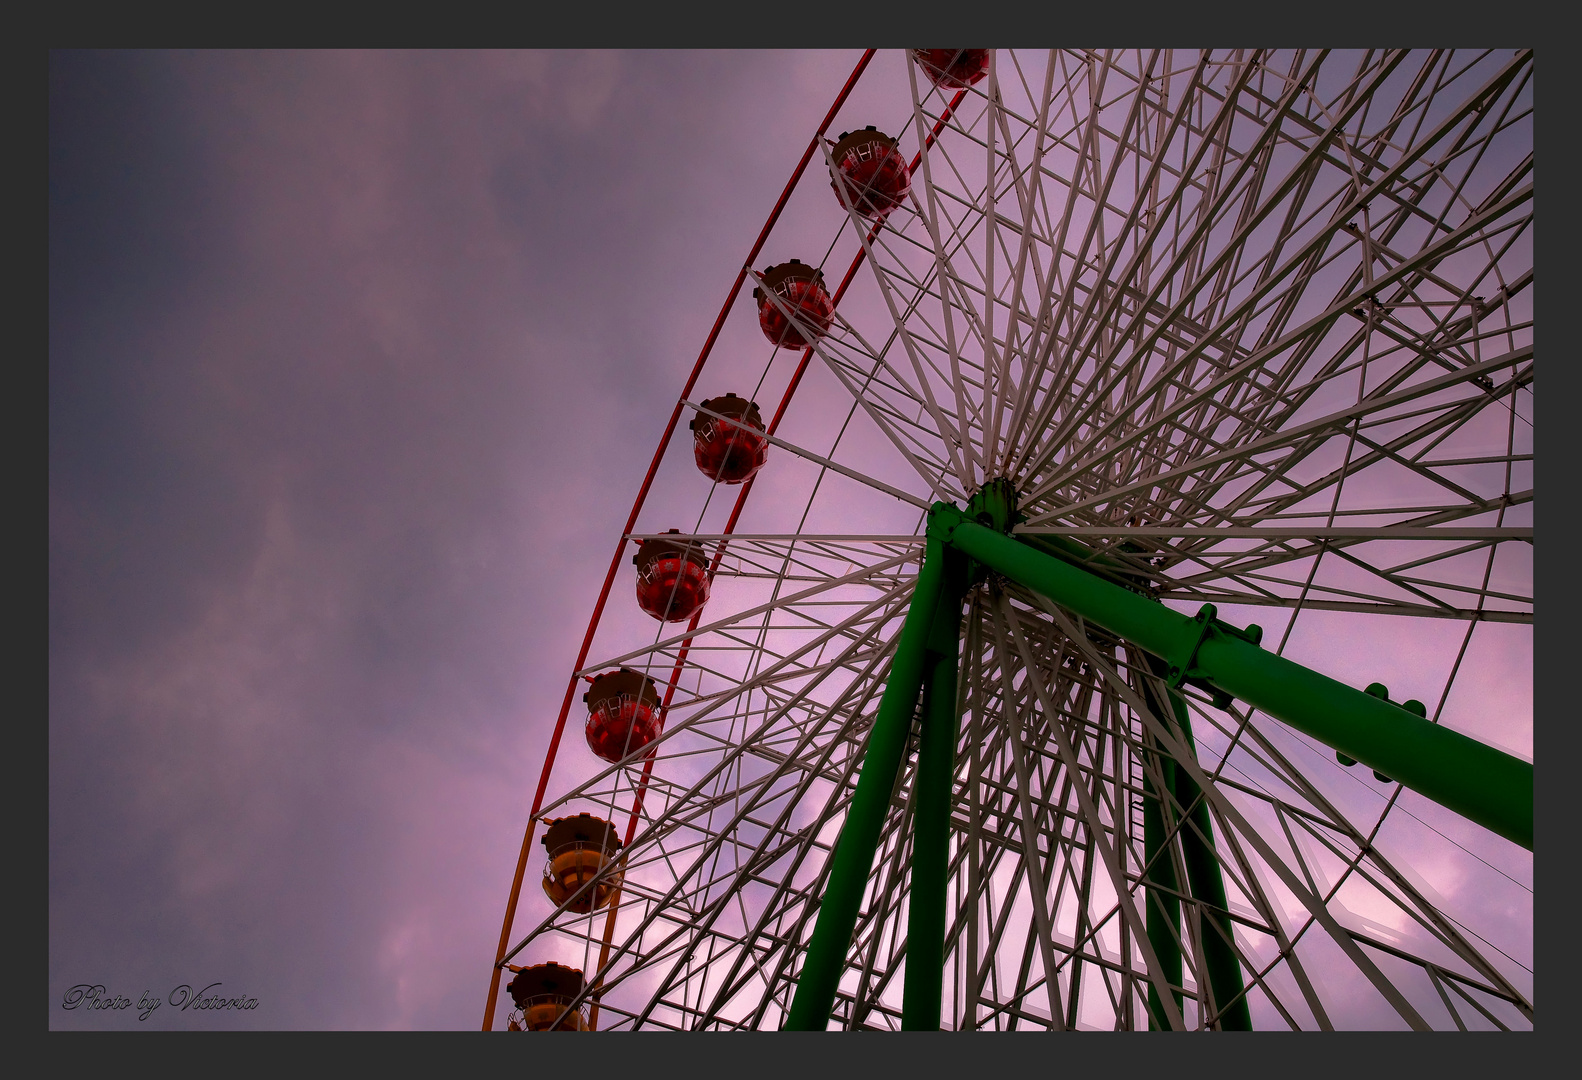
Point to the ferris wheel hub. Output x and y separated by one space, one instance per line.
994 505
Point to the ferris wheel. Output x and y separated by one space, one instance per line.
1078 367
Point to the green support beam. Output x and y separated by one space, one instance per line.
933 796
1205 881
859 837
1164 905
1483 784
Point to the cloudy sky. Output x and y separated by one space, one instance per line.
356 361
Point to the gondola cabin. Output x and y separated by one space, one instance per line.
953 69
869 172
579 849
542 993
795 289
623 713
672 579
729 451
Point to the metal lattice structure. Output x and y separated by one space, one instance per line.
1246 329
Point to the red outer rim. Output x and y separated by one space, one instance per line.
615 561
637 505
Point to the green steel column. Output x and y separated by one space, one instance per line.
1164 907
932 792
1206 882
859 838
1476 781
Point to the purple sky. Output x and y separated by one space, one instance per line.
356 361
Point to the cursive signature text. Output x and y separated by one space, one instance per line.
94 997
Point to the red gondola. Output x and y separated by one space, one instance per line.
672 579
953 68
872 171
623 713
730 451
800 288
